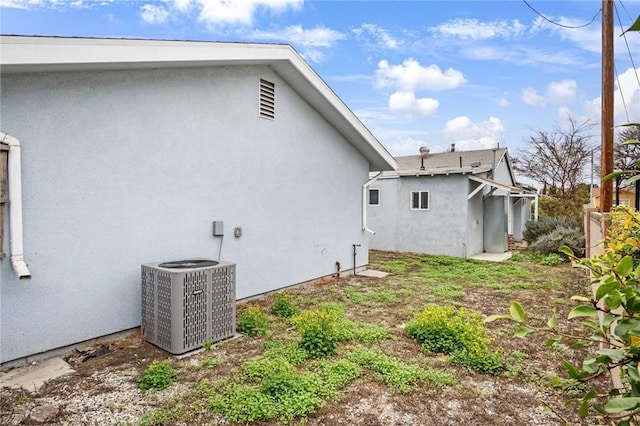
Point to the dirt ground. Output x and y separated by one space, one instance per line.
103 390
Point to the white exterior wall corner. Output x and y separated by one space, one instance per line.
440 230
122 168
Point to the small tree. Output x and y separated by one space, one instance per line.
558 160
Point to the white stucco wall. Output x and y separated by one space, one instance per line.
126 167
440 230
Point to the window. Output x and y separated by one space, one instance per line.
623 202
374 197
420 200
267 99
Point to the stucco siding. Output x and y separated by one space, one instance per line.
437 230
126 167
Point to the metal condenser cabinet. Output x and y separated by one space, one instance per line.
187 303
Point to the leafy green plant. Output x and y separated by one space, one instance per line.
158 376
319 330
207 345
283 306
457 332
253 321
610 319
210 362
397 374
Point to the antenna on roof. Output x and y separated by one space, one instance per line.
424 153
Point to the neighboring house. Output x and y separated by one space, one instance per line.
623 196
453 203
131 148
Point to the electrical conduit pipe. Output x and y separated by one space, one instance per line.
364 203
15 207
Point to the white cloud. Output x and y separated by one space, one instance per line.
315 37
476 30
381 37
530 96
21 4
152 14
411 76
407 102
405 146
214 12
238 12
562 92
310 41
502 101
627 88
468 135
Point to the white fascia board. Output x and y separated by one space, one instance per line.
20 54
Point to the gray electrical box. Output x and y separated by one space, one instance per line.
218 230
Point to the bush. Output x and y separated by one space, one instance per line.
283 307
158 376
549 243
456 332
253 321
320 332
546 225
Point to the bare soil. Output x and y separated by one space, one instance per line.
103 390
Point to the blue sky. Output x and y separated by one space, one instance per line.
432 73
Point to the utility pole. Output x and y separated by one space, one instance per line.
606 122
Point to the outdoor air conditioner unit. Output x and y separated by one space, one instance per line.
187 303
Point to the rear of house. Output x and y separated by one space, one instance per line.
458 203
132 148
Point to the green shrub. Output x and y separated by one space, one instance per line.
545 225
253 321
456 332
550 243
283 306
320 332
158 376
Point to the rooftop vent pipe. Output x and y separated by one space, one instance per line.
424 153
15 207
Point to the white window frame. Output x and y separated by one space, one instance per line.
419 200
369 196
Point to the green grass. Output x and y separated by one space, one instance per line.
275 380
400 376
449 291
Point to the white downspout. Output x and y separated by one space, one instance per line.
15 207
364 203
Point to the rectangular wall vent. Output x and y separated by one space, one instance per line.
267 99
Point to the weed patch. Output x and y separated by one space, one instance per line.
395 373
158 376
456 332
253 321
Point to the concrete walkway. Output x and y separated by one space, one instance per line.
32 377
493 257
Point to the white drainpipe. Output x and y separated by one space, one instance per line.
364 203
15 207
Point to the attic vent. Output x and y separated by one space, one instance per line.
267 99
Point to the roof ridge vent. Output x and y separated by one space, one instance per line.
267 99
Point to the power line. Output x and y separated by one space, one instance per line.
626 42
562 25
625 9
624 103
